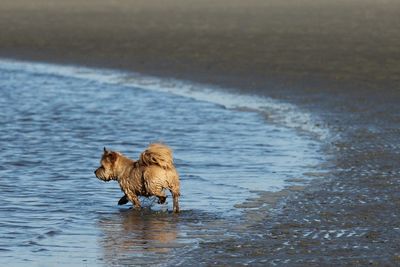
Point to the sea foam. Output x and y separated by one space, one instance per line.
276 111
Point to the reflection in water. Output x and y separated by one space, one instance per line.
131 234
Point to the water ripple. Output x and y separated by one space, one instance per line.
54 127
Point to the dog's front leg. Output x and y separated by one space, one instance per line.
134 199
123 200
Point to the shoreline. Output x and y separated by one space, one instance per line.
350 216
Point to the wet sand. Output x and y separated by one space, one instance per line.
338 59
212 41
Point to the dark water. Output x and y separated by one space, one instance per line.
54 123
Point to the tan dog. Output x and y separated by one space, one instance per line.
149 176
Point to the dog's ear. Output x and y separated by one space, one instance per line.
105 150
112 156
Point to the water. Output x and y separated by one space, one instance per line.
55 121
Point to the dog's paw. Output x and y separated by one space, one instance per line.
123 200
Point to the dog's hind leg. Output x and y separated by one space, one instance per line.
153 180
176 203
157 190
175 197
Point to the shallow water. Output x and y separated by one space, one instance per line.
54 124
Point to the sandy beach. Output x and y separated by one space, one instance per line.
337 59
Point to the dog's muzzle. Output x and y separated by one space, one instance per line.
100 174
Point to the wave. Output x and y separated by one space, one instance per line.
275 111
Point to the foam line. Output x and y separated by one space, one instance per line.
275 111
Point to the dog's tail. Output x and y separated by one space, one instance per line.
157 154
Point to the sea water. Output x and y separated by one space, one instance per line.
55 121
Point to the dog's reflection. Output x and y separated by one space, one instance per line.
138 232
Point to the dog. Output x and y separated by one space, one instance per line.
151 175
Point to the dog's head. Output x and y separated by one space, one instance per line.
107 170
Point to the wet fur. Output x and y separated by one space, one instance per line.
151 175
